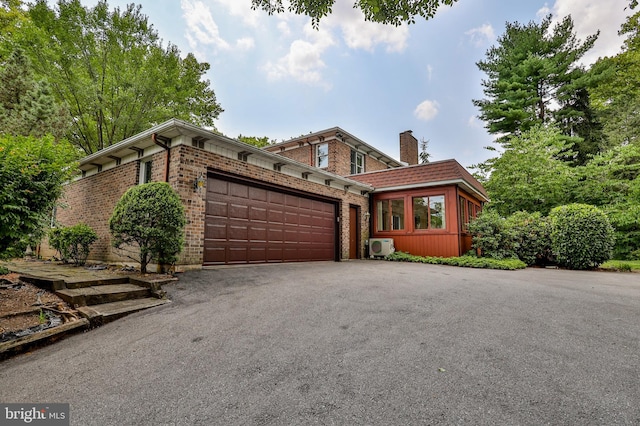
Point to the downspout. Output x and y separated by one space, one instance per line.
163 142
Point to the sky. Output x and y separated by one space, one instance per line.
278 77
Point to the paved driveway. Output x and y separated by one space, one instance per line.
365 342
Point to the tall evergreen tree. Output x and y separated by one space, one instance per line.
27 107
534 79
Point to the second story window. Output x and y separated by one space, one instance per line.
322 155
357 162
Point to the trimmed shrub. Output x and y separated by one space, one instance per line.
492 237
149 219
462 261
532 233
581 236
73 242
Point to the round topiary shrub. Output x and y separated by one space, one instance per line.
581 236
150 218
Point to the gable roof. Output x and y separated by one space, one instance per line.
446 172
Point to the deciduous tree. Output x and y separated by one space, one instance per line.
394 12
113 72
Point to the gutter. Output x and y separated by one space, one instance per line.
163 142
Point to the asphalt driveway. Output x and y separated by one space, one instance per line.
366 342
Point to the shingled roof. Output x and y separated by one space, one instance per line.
446 172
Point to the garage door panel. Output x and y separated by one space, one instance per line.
251 224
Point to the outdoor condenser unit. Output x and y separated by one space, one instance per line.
380 246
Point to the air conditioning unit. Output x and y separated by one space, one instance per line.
380 246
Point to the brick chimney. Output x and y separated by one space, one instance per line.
408 148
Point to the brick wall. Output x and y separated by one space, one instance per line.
91 200
408 148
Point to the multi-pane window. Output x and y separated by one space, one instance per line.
429 212
322 155
467 211
390 215
357 162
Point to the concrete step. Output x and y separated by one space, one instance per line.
96 295
99 314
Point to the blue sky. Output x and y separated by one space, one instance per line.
275 76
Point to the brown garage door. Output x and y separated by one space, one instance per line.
249 223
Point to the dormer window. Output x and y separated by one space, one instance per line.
322 155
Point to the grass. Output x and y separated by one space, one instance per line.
622 265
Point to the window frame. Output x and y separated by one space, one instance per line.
322 157
393 222
146 171
356 168
429 212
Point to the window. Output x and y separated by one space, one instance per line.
467 211
390 215
429 212
322 155
357 162
145 171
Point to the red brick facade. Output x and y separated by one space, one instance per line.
91 199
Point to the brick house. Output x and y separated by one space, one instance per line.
301 200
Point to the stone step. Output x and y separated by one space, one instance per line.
99 314
96 295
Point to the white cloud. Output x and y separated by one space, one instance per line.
202 30
284 28
304 61
360 34
245 43
243 10
427 110
481 35
473 122
589 16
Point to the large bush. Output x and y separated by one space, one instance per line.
491 237
32 171
581 236
532 233
625 219
73 242
149 218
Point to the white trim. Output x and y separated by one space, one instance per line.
461 182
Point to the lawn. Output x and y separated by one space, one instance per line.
622 265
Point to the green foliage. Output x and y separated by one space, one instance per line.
113 72
4 270
625 219
532 68
32 172
260 142
623 266
383 11
73 242
463 261
581 236
532 233
491 236
530 174
151 218
27 106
